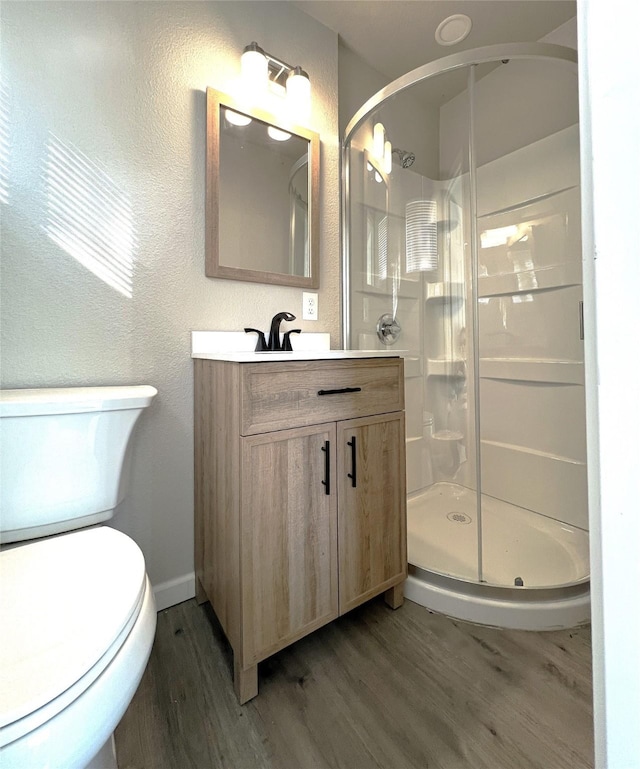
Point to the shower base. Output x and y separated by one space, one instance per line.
535 569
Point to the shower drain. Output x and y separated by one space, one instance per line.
459 517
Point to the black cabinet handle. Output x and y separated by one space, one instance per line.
352 474
340 391
327 467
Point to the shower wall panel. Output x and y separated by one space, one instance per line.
518 104
533 443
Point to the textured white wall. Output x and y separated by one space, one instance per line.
118 88
358 82
609 130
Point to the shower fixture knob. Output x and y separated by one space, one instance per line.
388 329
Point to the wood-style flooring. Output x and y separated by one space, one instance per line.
376 689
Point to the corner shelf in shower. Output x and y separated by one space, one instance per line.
540 279
446 367
444 292
447 435
533 370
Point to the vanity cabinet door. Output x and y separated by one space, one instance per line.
372 507
288 537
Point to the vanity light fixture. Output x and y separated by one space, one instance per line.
387 157
299 92
255 71
381 148
278 134
261 70
236 118
379 138
373 170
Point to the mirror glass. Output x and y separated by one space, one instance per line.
262 191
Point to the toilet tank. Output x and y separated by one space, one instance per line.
63 453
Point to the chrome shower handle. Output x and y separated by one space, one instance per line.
388 329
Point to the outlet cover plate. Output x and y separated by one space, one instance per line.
309 305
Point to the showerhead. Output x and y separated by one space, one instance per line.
405 157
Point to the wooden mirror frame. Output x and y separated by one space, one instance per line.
213 269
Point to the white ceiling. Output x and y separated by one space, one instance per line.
395 36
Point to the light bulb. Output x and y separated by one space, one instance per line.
378 140
255 70
236 118
387 159
278 134
299 94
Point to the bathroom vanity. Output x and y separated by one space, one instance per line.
299 495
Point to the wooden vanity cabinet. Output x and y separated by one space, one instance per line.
372 552
300 497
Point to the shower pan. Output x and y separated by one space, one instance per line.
467 245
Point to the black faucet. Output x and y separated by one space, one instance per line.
261 344
286 342
274 335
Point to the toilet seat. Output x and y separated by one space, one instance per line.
68 604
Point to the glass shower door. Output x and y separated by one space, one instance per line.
531 388
409 271
462 252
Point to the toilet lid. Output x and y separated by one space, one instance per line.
63 602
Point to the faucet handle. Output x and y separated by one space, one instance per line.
286 342
261 344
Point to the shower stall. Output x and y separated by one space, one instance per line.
463 252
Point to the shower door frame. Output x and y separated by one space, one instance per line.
485 55
466 59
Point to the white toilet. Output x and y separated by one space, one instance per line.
76 607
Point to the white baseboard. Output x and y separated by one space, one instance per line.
174 591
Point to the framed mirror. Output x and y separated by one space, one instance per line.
261 197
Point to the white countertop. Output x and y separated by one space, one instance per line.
238 347
270 357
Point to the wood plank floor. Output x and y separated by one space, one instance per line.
376 689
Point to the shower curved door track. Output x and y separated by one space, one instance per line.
473 248
536 569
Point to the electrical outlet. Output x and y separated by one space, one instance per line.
309 306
